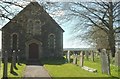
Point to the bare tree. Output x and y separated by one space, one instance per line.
98 37
102 12
91 14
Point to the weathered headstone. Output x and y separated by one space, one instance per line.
18 57
0 59
117 58
81 59
5 57
110 54
87 55
68 56
75 59
105 62
12 62
15 58
92 56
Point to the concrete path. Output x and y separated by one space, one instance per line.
36 72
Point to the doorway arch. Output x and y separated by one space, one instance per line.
33 47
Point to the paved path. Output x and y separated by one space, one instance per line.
36 72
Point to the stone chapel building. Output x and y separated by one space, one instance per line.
33 34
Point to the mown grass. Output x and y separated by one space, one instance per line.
18 72
69 70
97 65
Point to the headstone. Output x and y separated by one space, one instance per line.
92 56
89 69
5 65
81 59
110 54
18 57
117 58
75 59
68 56
87 55
0 59
105 62
12 62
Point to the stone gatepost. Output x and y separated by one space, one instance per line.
68 56
105 61
81 59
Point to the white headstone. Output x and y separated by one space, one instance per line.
105 62
81 59
75 59
117 58
68 56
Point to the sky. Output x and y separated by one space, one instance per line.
68 41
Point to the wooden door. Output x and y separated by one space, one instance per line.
33 51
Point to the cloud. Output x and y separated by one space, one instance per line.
58 13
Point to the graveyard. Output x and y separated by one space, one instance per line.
36 37
71 67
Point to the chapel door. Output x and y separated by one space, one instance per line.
33 51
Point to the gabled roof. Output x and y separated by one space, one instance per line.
33 4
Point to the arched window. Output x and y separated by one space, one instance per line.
51 41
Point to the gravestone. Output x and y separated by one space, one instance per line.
110 54
12 62
87 55
68 56
92 56
75 59
18 58
117 58
5 64
105 62
0 59
81 59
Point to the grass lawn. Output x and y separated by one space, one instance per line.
58 69
19 72
97 65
